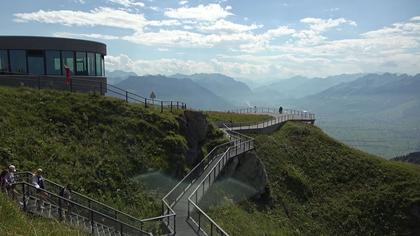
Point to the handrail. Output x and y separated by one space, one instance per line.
24 193
168 203
243 140
86 198
75 85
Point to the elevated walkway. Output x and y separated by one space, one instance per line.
181 212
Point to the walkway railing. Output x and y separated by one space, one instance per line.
175 194
87 84
50 204
83 200
287 114
196 215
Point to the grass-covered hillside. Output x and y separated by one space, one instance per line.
319 186
14 222
97 144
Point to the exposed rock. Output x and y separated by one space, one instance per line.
249 169
194 127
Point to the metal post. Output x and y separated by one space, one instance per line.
199 221
126 96
161 106
91 219
175 223
145 102
171 105
24 197
60 210
188 212
121 229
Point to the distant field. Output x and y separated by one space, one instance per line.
235 117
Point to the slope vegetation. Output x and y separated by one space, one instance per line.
100 145
319 186
14 222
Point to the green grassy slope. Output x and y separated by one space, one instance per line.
322 187
14 222
97 144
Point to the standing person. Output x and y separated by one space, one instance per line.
38 182
3 180
66 194
9 182
280 110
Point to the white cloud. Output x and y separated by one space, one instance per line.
210 12
128 3
286 50
169 66
224 25
93 36
183 2
97 17
320 25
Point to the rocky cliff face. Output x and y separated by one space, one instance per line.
248 169
194 127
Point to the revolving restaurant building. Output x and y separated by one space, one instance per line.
40 62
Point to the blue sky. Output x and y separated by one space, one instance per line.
246 39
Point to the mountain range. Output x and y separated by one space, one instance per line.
379 113
166 88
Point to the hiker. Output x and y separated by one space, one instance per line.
66 194
255 109
9 182
3 180
280 110
38 182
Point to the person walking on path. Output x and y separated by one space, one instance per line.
38 182
3 180
66 194
9 182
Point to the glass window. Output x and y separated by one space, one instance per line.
18 61
103 65
81 65
68 60
53 61
91 64
98 64
36 62
4 61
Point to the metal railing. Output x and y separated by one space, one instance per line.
287 114
175 194
86 201
243 143
87 84
196 215
50 204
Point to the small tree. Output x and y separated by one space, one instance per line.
153 96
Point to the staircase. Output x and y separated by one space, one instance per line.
80 211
